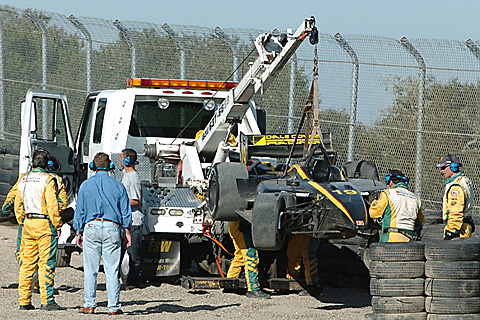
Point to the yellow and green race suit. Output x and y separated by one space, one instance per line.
400 210
245 256
303 247
457 205
37 210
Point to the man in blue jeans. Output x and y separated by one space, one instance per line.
102 211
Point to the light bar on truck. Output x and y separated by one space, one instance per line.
181 84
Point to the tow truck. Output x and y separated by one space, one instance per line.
181 129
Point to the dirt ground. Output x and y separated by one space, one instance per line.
168 301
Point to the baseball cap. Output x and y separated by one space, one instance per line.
448 159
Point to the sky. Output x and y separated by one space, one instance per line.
439 19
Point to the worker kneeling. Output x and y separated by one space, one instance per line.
398 209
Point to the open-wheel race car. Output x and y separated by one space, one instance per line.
311 197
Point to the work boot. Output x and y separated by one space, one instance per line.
27 307
51 307
257 294
115 313
89 310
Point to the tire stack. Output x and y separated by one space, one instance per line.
341 263
397 283
452 285
432 226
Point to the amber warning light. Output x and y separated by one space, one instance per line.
181 84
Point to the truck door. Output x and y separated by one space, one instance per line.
46 125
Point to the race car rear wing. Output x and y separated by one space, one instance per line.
279 145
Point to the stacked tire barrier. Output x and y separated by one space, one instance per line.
452 285
341 263
9 155
397 281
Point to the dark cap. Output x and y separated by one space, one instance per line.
448 159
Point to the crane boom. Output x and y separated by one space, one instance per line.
274 52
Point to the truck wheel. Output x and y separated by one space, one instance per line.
223 195
266 214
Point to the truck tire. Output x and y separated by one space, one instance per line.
452 269
397 287
400 316
452 305
401 251
223 195
265 219
398 304
397 270
458 250
447 288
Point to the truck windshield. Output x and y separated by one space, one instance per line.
148 120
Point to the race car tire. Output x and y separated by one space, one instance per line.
452 305
397 287
397 269
265 219
452 269
223 195
400 251
400 316
398 304
452 288
458 250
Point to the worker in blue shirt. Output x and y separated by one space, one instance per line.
102 211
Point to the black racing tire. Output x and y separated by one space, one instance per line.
474 316
452 269
63 257
328 264
399 251
265 220
223 195
458 250
353 268
351 252
452 305
432 233
397 269
452 288
400 316
345 281
397 287
4 188
398 304
328 250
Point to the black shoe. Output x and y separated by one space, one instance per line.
27 307
51 307
257 294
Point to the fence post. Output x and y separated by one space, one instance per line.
88 37
183 54
131 42
43 28
421 113
2 83
232 46
353 105
473 48
292 95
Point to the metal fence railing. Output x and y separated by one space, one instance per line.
402 103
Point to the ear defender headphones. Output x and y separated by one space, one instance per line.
389 177
92 166
454 167
127 161
49 165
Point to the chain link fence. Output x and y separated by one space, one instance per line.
401 103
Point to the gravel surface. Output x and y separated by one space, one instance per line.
168 301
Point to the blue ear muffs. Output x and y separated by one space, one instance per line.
389 177
92 167
127 161
454 167
49 165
